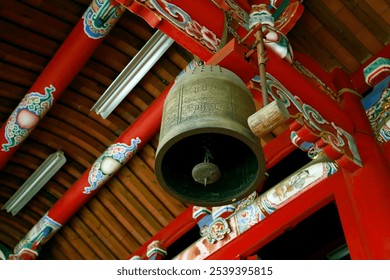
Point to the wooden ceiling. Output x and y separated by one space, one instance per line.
131 207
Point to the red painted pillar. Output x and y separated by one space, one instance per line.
78 47
363 202
120 152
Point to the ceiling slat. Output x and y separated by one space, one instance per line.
135 207
370 19
125 218
35 20
339 30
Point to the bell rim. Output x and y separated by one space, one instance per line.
250 142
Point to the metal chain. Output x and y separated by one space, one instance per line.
229 28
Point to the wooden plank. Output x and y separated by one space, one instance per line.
74 135
32 19
14 227
385 16
106 129
178 55
124 217
100 206
137 98
65 179
343 56
379 6
37 208
116 61
127 111
25 39
58 143
16 75
12 91
89 237
89 88
10 237
98 72
143 96
75 118
25 220
27 160
91 219
7 108
348 60
55 189
59 249
133 205
124 41
370 41
143 194
45 198
334 6
154 141
68 236
361 32
370 19
166 70
148 154
67 11
152 84
22 58
314 48
148 178
338 29
19 172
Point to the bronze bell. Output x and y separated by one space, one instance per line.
207 155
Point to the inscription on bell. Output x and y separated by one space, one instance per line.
207 86
205 98
203 107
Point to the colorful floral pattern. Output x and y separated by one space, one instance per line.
38 235
217 230
338 138
33 107
183 20
100 17
248 217
119 152
203 35
379 115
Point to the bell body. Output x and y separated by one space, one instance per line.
204 125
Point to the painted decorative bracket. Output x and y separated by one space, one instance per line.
155 251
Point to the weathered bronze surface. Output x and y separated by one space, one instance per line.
207 155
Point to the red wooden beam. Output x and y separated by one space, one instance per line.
284 218
170 233
278 148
